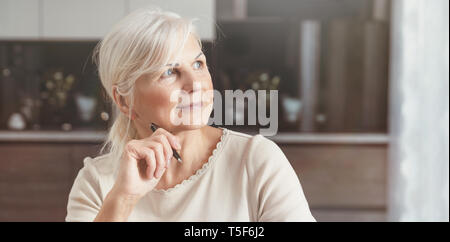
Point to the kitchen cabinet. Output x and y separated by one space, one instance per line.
19 19
81 19
341 175
36 178
89 19
203 10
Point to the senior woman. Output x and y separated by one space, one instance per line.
149 64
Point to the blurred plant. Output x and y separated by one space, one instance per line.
56 88
262 80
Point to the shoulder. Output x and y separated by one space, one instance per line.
95 176
243 137
254 149
259 156
97 168
88 189
101 164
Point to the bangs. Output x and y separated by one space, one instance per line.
160 44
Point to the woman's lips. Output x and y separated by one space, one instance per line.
191 106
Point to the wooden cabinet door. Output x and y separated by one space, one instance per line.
36 178
341 176
342 182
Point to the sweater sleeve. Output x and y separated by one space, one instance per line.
275 185
84 201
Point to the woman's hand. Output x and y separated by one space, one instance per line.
143 163
141 167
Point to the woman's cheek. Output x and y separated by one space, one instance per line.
154 103
208 91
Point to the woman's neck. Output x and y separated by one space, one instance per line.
192 143
196 147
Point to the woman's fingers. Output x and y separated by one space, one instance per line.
173 140
151 162
167 149
157 150
160 159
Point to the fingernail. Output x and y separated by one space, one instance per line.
178 145
168 162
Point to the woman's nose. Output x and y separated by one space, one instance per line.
191 82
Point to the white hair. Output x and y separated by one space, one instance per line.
141 43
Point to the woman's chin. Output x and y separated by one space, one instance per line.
191 126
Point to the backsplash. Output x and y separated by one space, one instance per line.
50 86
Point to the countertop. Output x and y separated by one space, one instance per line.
86 136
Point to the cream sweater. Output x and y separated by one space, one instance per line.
247 178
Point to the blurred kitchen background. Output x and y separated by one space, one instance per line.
363 97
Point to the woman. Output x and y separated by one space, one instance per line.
150 64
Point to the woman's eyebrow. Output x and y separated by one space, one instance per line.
201 53
177 64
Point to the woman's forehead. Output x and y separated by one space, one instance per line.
187 56
191 51
191 48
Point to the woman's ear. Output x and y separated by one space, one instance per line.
121 102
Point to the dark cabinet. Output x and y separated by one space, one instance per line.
36 178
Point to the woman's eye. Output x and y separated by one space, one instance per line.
198 65
168 73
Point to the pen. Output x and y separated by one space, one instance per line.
154 127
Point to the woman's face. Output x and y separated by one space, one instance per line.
181 97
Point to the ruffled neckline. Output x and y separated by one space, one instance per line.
200 171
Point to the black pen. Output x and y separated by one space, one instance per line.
154 127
